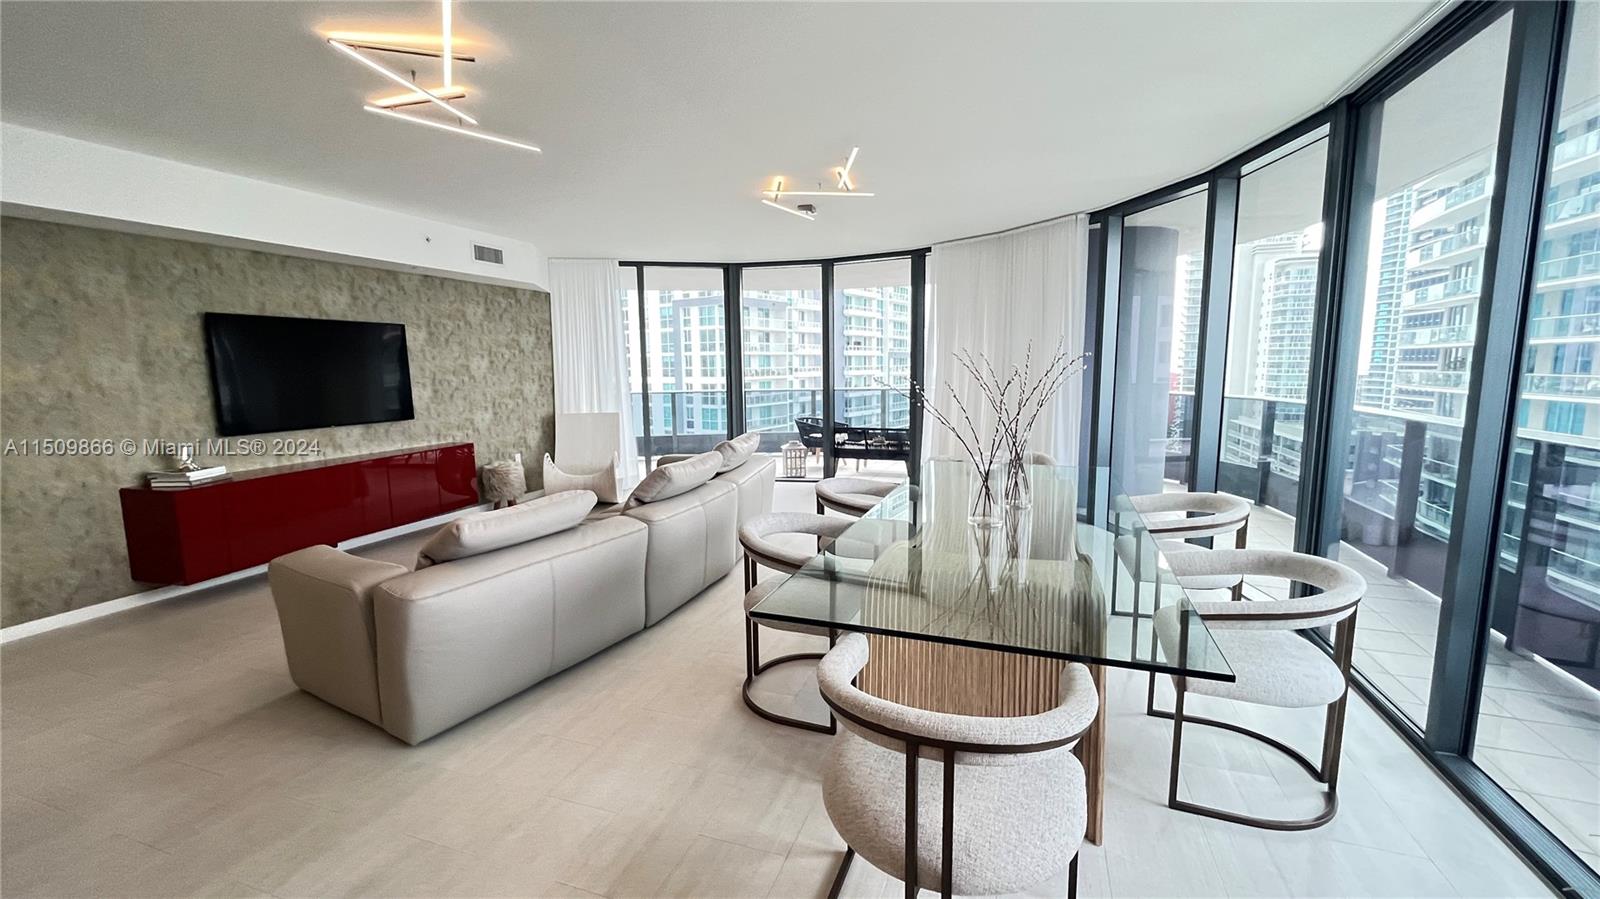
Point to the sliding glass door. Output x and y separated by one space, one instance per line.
1274 298
1158 346
872 366
1538 720
780 326
686 364
1424 204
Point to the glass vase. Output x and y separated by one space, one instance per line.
985 497
1018 486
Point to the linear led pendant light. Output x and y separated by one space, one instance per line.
416 94
847 188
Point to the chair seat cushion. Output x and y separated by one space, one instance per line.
1014 823
1273 667
1127 546
764 589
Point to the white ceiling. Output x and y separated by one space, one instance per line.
661 122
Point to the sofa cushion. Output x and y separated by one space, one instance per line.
481 532
603 482
676 478
737 451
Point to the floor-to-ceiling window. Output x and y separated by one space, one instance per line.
628 300
872 365
1538 727
1425 201
1273 305
780 324
686 358
1158 345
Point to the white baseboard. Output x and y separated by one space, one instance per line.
161 594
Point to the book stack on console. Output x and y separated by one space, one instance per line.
178 480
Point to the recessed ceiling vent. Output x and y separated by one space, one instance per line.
491 255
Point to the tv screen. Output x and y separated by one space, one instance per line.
271 373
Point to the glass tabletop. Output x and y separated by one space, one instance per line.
1038 583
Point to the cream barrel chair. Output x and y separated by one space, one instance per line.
851 496
1173 518
981 806
756 536
1273 665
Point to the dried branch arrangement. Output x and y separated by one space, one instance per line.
1017 401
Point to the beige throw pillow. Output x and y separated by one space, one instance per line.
481 532
676 478
602 482
737 451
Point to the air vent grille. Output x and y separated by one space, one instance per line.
491 255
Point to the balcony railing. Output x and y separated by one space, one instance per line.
1437 335
1455 287
1572 207
1570 267
1585 324
1582 385
1444 380
696 420
1586 144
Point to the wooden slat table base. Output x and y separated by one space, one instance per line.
960 680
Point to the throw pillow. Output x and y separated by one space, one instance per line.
481 532
676 478
737 451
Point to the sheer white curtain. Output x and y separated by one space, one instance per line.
591 360
995 297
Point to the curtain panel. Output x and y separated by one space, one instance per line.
591 360
999 297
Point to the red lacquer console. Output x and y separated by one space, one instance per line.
190 535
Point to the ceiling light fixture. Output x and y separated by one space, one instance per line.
414 98
446 126
844 173
847 188
808 216
445 54
400 79
351 43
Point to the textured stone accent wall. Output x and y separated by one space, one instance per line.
101 337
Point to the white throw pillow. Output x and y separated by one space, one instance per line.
676 478
602 482
481 532
737 451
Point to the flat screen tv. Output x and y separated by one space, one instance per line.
271 373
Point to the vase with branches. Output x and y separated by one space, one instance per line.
1017 402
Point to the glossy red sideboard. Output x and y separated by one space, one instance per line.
190 535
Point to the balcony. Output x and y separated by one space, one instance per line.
1437 249
1455 288
693 421
1438 380
1585 324
1587 203
1437 336
1579 266
1584 386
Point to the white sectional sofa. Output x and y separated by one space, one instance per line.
503 599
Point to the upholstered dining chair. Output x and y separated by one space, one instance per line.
1171 519
851 496
1273 665
981 806
760 548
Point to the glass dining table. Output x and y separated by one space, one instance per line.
980 618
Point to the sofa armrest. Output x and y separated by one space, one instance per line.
324 601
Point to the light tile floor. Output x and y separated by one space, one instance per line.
1538 728
165 752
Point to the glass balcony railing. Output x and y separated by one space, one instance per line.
1455 287
1584 385
1586 144
1581 205
1443 380
1437 335
695 421
1570 267
1581 325
1466 193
